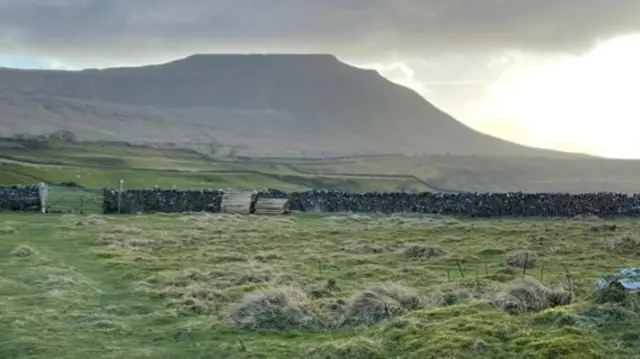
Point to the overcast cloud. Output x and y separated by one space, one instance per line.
454 52
146 29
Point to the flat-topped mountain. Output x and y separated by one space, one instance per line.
261 104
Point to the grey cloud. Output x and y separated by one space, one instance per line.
152 28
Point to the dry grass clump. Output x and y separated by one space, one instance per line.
521 259
421 251
218 278
120 242
5 230
604 228
126 230
379 302
463 292
71 221
278 308
528 295
134 245
95 220
23 251
355 348
267 256
625 244
364 248
189 292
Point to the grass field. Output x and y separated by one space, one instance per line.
216 286
97 165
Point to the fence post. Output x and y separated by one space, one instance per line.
42 192
120 196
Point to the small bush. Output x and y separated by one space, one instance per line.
521 259
280 308
418 251
380 302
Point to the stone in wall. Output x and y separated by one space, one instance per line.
19 198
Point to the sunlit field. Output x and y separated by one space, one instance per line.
225 286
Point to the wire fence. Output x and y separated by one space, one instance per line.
61 199
51 199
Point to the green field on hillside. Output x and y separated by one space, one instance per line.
219 286
98 164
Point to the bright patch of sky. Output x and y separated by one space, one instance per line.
30 63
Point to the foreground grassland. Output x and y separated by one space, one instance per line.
219 286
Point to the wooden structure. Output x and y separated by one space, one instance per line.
238 203
272 206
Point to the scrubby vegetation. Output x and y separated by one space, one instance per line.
210 286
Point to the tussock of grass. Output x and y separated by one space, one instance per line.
464 292
628 243
604 228
126 230
521 259
380 302
267 256
421 251
6 230
23 251
281 308
190 305
355 348
529 295
134 244
365 248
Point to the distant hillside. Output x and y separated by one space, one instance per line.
275 105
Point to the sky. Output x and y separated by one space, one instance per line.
546 73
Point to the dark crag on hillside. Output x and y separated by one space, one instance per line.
260 104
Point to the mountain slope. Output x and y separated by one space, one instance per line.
266 104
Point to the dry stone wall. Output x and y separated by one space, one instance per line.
161 200
516 204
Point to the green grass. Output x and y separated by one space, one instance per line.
98 165
215 286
